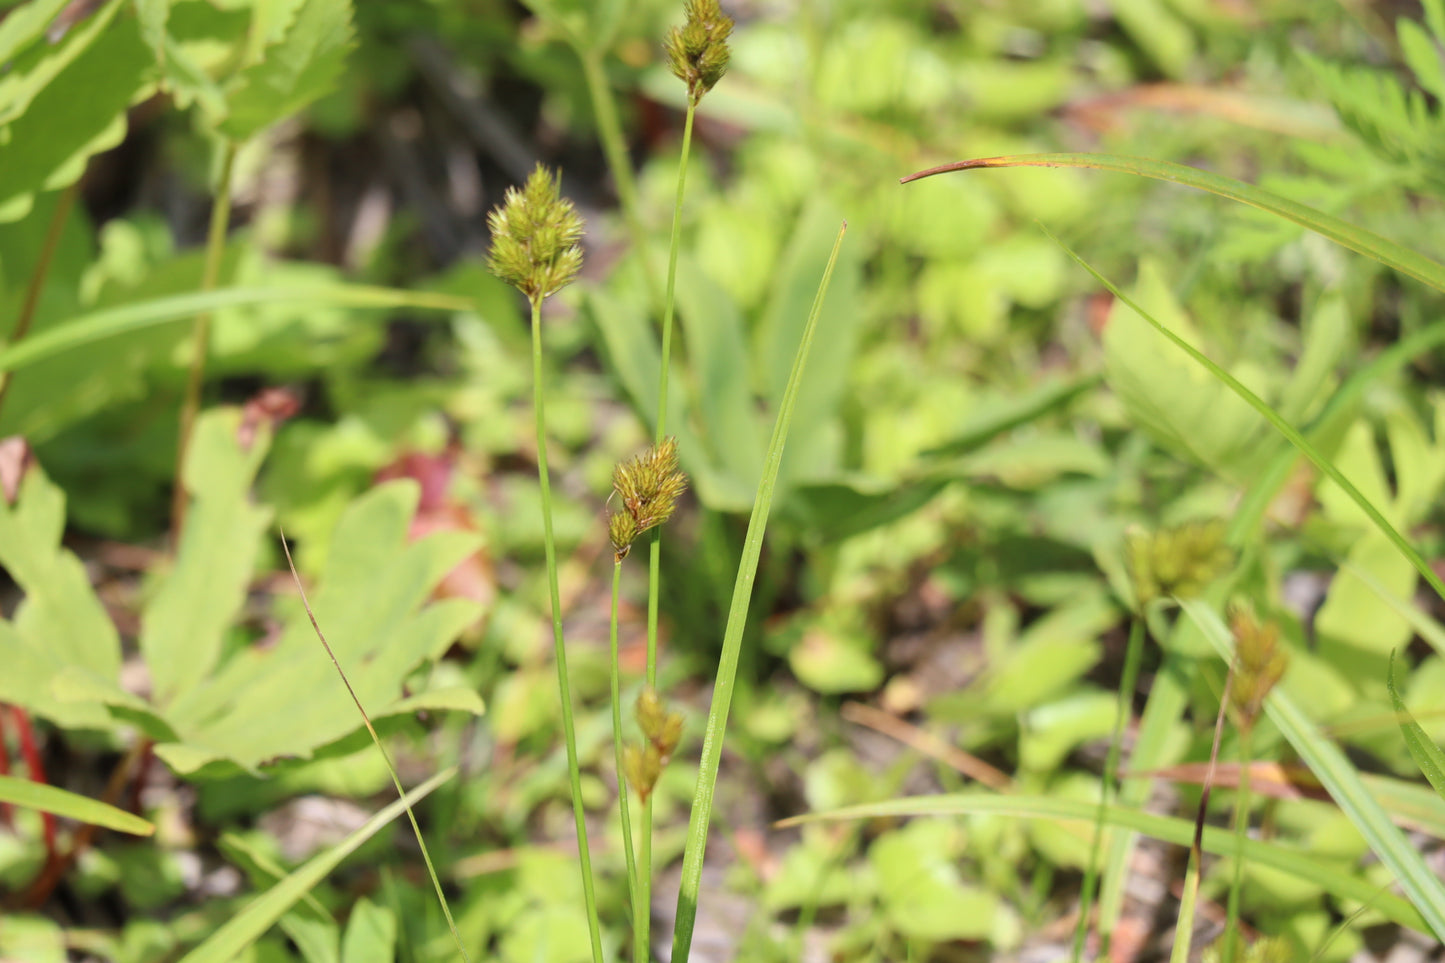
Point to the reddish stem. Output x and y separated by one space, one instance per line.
30 752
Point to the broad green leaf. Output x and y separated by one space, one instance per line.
1328 335
1168 396
261 914
1339 777
370 934
33 939
1360 614
60 622
50 799
1328 874
1422 55
1153 25
920 888
1355 238
110 322
1422 748
993 416
186 622
55 119
286 700
716 341
295 71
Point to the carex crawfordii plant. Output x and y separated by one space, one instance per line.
1174 561
534 248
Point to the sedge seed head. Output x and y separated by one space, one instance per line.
535 231
1178 560
698 51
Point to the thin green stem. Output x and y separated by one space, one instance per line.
717 717
627 848
385 756
1241 830
61 214
569 732
1133 655
201 341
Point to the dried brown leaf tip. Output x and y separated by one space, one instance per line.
648 485
1260 661
535 232
697 51
643 764
1180 560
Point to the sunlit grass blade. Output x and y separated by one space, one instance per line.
1422 748
1170 829
1343 783
717 717
1348 235
50 799
262 913
99 325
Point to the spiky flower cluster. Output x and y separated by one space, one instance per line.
697 51
1261 662
1179 560
643 764
648 486
534 237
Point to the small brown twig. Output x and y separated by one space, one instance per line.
927 743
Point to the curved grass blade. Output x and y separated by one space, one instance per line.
1300 443
717 717
98 325
1216 839
1422 748
1344 785
50 799
264 911
1348 235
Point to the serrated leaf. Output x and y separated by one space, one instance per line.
294 72
185 624
1422 54
70 106
285 700
1167 395
52 799
60 623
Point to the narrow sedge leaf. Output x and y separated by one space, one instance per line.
243 929
50 799
1355 238
1422 748
1217 840
697 827
107 323
1342 782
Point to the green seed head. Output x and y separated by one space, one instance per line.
1180 560
534 237
1260 663
697 51
649 486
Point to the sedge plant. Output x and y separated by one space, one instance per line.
535 234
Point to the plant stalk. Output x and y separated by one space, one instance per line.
569 731
191 403
1241 830
63 206
639 951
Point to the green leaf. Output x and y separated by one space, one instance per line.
1299 863
921 891
50 799
243 929
110 322
285 700
186 622
294 72
26 24
1422 55
1170 397
1355 238
370 934
60 623
1422 748
1339 777
68 106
